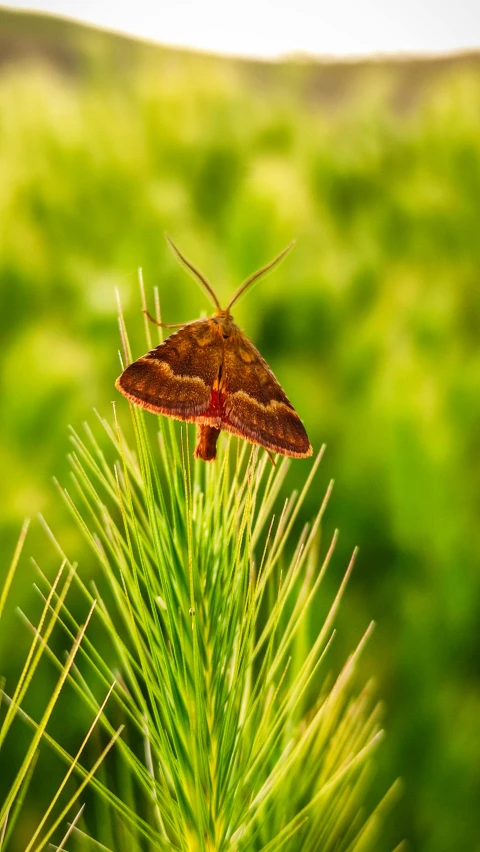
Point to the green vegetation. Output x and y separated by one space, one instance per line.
234 735
371 325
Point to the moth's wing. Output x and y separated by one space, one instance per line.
256 407
176 377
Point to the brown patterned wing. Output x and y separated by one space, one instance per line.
176 378
256 407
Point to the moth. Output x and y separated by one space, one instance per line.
210 374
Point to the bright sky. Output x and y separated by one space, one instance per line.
274 27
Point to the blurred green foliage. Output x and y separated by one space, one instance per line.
371 324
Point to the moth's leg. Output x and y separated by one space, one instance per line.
270 456
163 324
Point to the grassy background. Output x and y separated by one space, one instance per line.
371 325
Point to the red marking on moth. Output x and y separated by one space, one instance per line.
216 407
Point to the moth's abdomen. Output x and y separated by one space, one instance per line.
207 437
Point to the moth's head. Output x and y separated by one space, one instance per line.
224 321
222 316
225 314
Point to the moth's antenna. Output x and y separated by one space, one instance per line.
260 272
196 274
